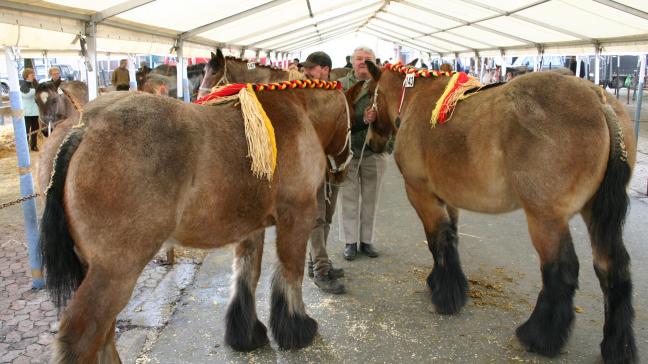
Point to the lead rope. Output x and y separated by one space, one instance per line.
364 145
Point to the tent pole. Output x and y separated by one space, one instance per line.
24 169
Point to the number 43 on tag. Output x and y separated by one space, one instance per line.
409 80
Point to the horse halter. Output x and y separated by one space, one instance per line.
347 143
222 81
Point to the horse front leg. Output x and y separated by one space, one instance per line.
291 327
549 326
446 281
243 330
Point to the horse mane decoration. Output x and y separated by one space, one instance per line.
262 146
455 91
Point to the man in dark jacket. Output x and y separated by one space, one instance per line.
318 66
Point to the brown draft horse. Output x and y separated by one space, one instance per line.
148 168
222 70
551 144
59 109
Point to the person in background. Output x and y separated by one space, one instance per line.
28 92
121 77
361 190
348 62
55 76
318 67
157 84
293 71
140 75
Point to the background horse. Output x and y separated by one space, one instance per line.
61 109
146 169
195 74
337 73
221 70
551 144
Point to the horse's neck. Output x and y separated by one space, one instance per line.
69 110
327 112
277 75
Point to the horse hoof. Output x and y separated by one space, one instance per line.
449 290
241 342
295 332
533 340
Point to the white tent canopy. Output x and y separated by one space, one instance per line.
447 28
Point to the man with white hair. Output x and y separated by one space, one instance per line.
361 189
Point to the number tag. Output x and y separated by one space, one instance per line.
251 65
59 91
409 80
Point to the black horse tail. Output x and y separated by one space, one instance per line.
63 269
610 204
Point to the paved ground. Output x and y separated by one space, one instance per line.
176 313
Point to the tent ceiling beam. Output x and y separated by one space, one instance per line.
29 8
118 9
624 8
524 18
465 23
324 39
297 20
422 34
297 40
432 34
325 21
404 41
310 12
389 38
381 8
407 38
249 12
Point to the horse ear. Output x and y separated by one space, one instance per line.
373 70
220 59
413 62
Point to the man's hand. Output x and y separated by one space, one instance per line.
369 115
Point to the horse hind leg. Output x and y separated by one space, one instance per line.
549 326
447 281
291 327
243 330
85 334
612 267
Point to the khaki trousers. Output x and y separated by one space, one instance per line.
319 235
360 194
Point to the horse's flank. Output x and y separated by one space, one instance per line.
496 138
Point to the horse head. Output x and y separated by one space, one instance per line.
215 72
386 121
51 102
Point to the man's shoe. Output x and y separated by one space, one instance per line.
310 268
328 284
350 251
335 273
368 250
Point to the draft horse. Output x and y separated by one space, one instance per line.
551 144
59 106
221 70
146 169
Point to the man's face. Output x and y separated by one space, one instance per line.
317 72
123 64
55 74
359 67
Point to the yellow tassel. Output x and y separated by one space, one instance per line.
262 146
452 99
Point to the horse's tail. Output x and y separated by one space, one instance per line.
610 203
63 269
